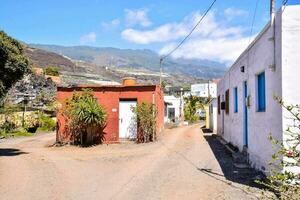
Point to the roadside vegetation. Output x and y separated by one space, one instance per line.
13 63
191 106
86 119
146 122
13 122
283 180
51 71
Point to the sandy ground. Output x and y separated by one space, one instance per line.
167 169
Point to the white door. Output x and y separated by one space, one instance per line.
127 120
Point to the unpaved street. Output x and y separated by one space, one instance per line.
174 167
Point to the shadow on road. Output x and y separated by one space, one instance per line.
11 152
245 176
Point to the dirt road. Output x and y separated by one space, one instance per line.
180 165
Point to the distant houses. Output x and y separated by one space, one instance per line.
270 66
205 90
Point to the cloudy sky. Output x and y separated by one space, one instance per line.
138 24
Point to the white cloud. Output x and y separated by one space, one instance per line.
88 38
231 13
111 24
213 39
137 17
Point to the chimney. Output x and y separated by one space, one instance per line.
129 81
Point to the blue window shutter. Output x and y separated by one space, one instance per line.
235 99
261 92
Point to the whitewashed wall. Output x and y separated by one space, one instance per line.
213 116
290 61
256 59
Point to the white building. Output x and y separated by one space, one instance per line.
213 115
247 89
173 109
204 89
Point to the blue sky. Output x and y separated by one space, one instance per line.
142 24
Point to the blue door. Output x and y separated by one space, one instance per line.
245 115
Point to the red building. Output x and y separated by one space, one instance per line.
117 101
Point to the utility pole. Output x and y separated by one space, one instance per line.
160 68
272 15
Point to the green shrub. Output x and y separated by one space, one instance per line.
192 104
46 123
283 182
51 71
86 119
146 121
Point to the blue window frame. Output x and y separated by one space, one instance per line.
235 98
261 92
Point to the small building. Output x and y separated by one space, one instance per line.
205 90
117 100
173 108
247 111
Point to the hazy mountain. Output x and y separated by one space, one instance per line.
138 59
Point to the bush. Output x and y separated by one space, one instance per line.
146 121
46 123
51 71
86 119
283 181
192 104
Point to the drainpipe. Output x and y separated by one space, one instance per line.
153 114
272 15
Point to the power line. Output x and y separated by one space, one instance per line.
188 35
253 20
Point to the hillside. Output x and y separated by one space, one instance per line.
138 59
79 72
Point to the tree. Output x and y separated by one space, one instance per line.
283 180
13 63
51 71
86 119
192 104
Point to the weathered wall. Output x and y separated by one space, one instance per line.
258 57
109 97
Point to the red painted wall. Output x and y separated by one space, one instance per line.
109 97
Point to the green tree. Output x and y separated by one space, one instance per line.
51 71
13 63
192 104
86 118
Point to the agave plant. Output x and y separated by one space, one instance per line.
87 118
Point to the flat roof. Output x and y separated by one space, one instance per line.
106 87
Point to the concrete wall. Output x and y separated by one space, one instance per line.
109 97
258 57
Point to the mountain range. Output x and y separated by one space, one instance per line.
141 59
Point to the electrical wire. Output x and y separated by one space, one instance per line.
188 35
253 20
